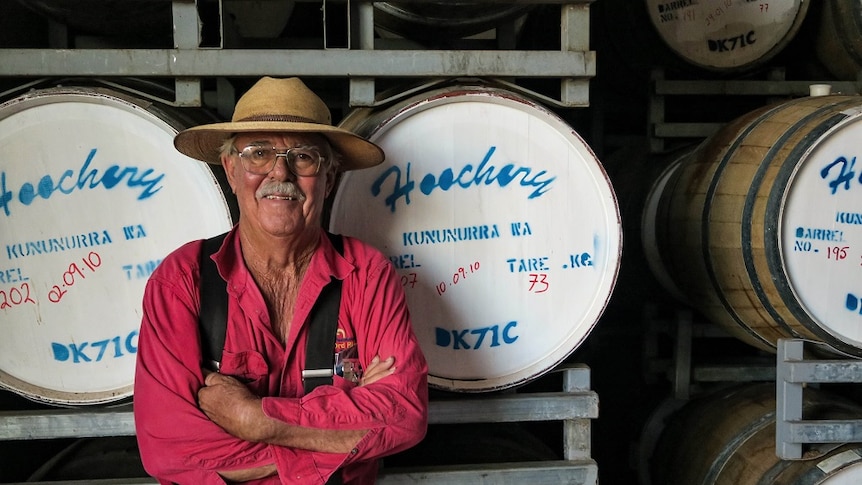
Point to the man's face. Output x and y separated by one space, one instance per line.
279 203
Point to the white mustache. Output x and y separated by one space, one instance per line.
281 189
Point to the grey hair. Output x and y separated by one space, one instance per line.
227 148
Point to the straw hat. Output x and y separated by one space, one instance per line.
279 105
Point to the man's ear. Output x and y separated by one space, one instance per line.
228 163
331 179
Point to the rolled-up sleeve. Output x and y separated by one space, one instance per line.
177 442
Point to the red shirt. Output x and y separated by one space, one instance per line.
178 443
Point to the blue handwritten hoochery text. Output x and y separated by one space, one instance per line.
845 176
146 180
468 176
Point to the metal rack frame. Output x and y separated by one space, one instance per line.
660 130
187 62
794 373
574 407
684 375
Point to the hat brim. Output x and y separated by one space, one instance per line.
204 142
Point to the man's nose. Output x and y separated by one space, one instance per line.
280 170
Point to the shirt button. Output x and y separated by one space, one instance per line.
354 451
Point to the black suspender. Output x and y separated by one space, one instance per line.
213 315
319 350
319 358
322 328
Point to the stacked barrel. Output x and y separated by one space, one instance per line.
523 237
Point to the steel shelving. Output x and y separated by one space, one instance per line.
574 407
188 64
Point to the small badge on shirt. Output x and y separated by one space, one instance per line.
347 364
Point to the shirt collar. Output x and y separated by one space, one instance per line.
325 263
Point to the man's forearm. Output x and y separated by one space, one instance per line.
260 428
230 405
312 439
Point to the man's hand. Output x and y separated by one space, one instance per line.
229 404
377 369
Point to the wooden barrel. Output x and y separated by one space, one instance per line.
446 19
727 437
148 20
90 460
761 225
727 35
142 19
652 211
639 178
92 196
500 220
839 38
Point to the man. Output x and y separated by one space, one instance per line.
252 421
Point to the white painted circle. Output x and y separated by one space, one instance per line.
505 275
821 232
92 196
726 34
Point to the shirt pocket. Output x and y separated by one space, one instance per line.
249 367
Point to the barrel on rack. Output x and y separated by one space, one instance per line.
651 210
92 196
839 38
761 226
444 19
152 21
727 437
638 177
142 19
92 460
501 222
629 50
727 35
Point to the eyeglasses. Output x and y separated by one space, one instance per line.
301 161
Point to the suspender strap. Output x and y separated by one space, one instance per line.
213 317
213 313
323 326
321 338
319 349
